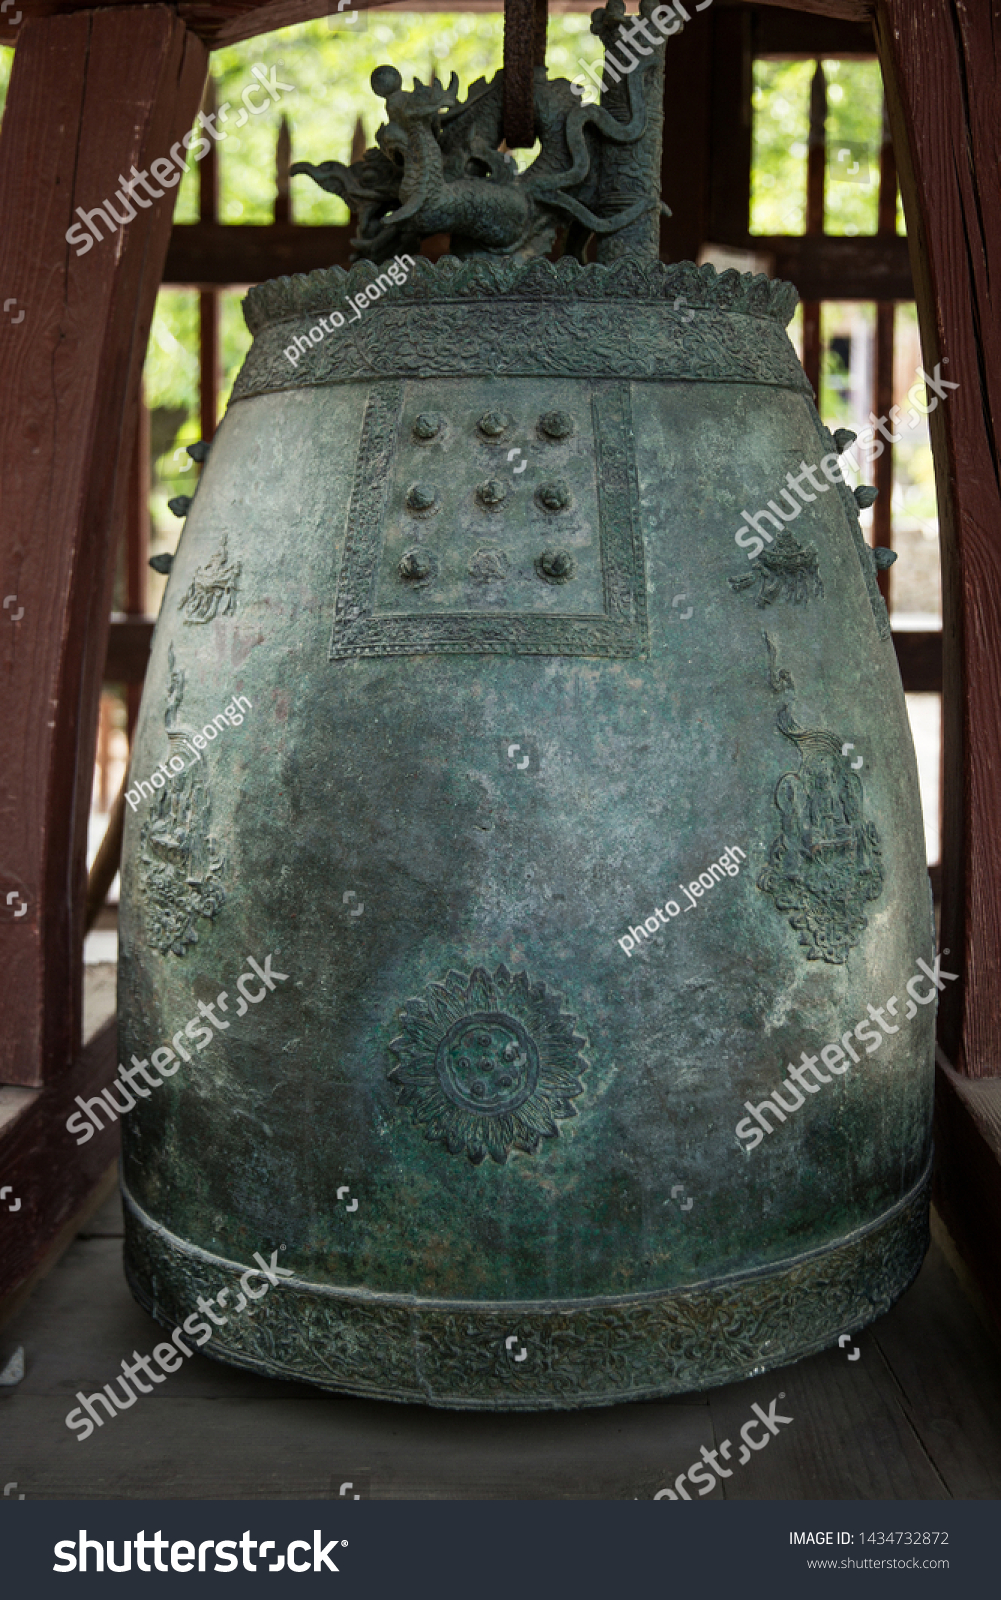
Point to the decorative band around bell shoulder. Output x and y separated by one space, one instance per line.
643 320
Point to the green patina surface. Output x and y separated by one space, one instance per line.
510 690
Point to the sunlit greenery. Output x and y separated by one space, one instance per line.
781 111
323 68
781 122
854 137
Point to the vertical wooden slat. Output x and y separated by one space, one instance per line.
729 125
882 511
283 160
882 467
90 95
541 33
107 860
208 300
103 753
816 172
942 75
208 361
816 158
208 166
684 164
137 546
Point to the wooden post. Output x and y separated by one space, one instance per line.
90 95
729 125
943 86
690 69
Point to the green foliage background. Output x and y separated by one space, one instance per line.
328 64
781 107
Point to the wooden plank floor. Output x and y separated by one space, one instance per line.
916 1416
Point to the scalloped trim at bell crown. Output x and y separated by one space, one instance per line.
701 288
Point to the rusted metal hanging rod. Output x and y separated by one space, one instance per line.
525 24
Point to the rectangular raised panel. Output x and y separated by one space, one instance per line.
477 561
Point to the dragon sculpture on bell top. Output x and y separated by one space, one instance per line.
438 167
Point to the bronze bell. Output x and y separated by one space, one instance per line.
549 623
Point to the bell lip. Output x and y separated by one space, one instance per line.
661 1343
495 278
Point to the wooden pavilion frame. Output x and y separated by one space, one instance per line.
97 89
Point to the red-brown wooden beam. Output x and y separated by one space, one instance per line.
129 639
89 96
943 81
822 267
48 1171
684 166
202 253
798 33
846 10
235 20
919 657
967 1187
834 266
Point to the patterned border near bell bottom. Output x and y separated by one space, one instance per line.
537 1356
